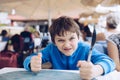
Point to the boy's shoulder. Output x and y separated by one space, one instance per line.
50 45
81 43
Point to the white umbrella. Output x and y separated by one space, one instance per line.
44 9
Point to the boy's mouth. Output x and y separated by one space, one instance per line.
67 49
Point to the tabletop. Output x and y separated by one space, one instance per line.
49 74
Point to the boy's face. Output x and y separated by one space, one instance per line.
68 43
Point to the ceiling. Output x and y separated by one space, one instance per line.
44 9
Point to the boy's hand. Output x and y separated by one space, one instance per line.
36 63
88 70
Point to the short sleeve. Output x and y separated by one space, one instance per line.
115 39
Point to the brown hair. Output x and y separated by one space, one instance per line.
61 25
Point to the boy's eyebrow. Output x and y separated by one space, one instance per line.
58 38
62 37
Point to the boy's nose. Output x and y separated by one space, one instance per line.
67 44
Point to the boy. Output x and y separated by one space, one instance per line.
68 53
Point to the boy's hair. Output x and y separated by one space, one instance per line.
62 25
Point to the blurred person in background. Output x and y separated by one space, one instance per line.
8 56
5 36
113 46
112 21
28 40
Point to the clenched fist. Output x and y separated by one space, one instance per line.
36 63
88 70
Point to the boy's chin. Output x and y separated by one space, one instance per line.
68 54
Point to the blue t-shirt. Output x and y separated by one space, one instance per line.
63 62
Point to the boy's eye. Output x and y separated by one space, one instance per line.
60 40
72 38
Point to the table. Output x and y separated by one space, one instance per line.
47 74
